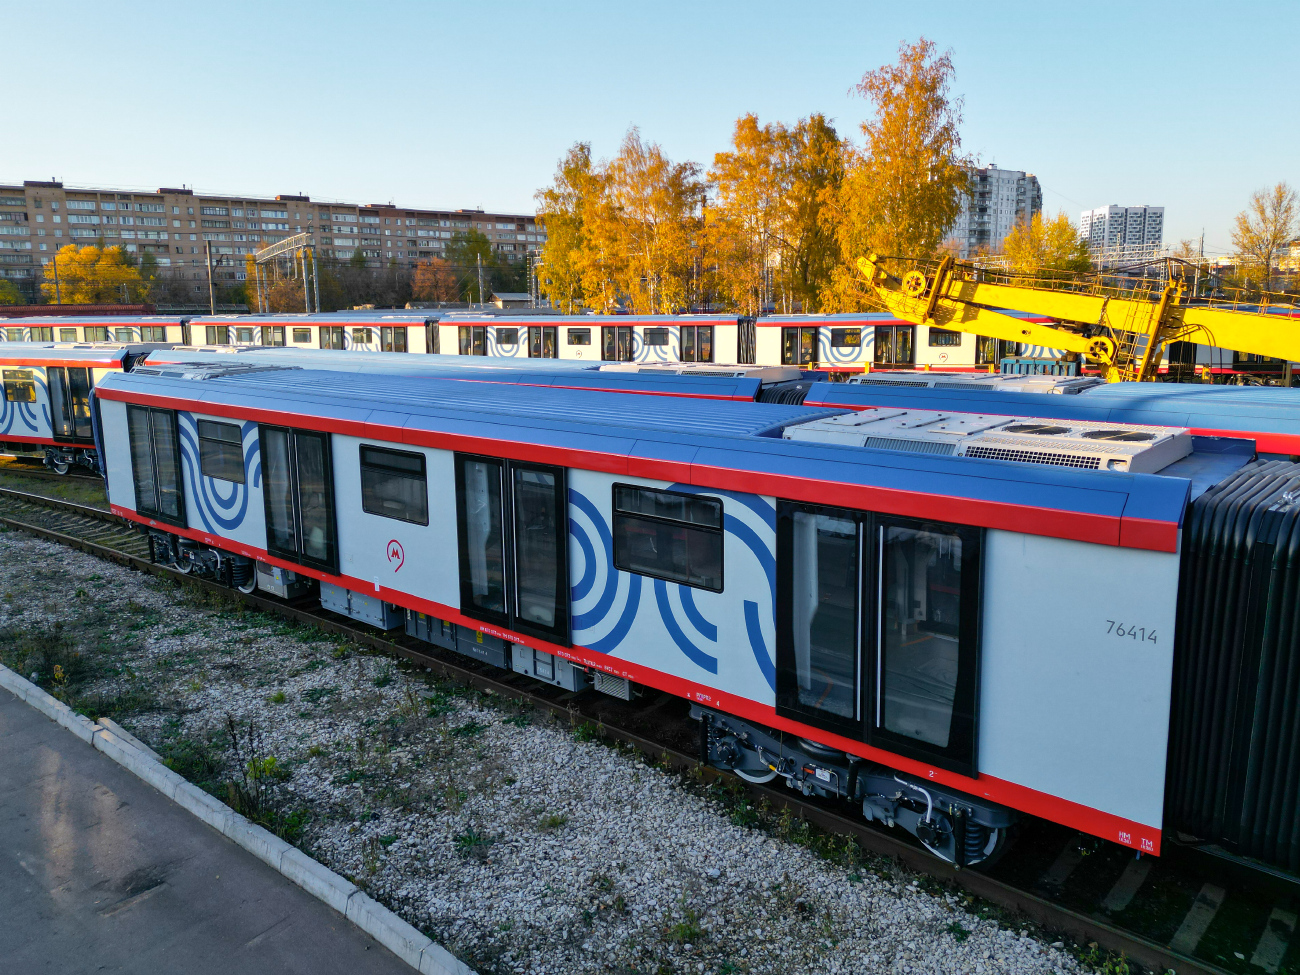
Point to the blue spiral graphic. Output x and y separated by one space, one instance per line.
221 504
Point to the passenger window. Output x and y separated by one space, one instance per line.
156 463
507 336
579 336
221 451
67 335
298 493
667 535
301 335
217 334
361 336
20 386
473 340
394 485
846 338
121 335
656 336
941 337
392 338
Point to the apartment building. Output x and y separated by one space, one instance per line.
1122 235
999 198
174 225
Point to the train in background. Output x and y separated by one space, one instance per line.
950 619
841 345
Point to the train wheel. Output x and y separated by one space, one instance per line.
61 466
983 852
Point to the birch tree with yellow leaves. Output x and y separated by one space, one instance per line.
903 188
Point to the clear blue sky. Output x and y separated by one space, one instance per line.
1186 105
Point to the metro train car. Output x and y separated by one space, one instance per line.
382 330
949 641
120 329
45 410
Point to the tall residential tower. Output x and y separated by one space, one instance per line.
999 198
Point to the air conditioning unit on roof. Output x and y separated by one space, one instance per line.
975 382
1090 446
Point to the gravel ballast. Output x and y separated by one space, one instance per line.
501 833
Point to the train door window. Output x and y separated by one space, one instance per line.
894 346
746 341
925 678
20 385
274 335
667 535
244 335
819 616
392 338
798 346
473 340
67 335
153 333
431 339
331 336
69 402
940 338
298 492
13 334
221 451
121 335
507 336
542 342
990 351
42 335
656 336
301 335
96 333
156 463
394 484
697 343
361 336
846 338
616 343
579 336
217 334
513 530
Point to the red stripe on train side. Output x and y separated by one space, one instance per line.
1050 522
1041 804
15 438
88 363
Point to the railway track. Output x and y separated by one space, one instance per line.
1155 912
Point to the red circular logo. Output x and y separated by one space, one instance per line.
396 553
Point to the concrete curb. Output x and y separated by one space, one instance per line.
369 915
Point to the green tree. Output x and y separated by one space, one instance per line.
902 191
9 293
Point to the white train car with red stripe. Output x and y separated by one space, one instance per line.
946 639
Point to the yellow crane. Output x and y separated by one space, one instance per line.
1124 331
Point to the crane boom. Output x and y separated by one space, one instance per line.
1125 333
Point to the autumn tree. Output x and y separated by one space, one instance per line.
562 208
9 293
1052 245
1263 229
433 280
752 184
284 295
647 221
903 189
93 275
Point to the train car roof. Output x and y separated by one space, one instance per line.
120 320
504 316
55 354
407 363
707 444
1268 415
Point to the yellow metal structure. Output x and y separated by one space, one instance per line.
1123 331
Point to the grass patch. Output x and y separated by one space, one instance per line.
473 843
553 821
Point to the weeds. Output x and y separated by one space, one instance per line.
553 821
473 843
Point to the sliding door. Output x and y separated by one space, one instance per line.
156 463
512 523
878 630
298 493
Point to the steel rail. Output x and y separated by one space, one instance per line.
1077 926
